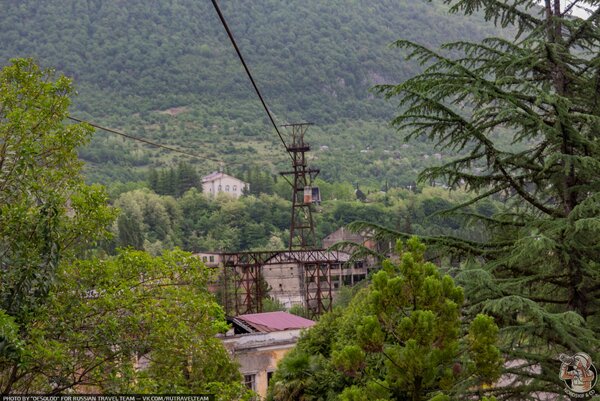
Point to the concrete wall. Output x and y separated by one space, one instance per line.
342 234
288 285
286 282
259 353
210 259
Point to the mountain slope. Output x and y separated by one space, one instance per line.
166 70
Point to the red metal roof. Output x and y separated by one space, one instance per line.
275 321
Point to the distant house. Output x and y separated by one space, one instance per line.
259 341
217 182
210 259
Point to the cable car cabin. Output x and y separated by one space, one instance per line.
312 195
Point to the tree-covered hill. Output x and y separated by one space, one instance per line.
165 70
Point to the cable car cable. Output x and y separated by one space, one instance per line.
237 50
146 141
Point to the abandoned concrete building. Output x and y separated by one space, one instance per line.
289 283
259 341
303 278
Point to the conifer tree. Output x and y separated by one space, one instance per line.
539 272
401 338
153 179
187 178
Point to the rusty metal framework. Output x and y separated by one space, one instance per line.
245 286
302 226
243 271
318 288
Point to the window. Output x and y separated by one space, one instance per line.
226 188
220 188
269 376
212 258
235 188
250 381
204 258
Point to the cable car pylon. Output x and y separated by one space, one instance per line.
304 194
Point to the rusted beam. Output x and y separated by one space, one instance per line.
246 271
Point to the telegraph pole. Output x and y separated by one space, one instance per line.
302 226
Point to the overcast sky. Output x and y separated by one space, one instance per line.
577 11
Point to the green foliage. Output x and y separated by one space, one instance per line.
299 310
537 272
198 222
147 221
130 323
155 72
400 338
272 305
10 344
48 215
170 67
174 182
106 317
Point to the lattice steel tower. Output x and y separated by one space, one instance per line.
302 227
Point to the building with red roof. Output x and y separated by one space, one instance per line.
258 341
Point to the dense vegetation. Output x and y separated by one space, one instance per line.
198 222
511 126
69 320
401 338
166 71
537 273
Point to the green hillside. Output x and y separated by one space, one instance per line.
165 70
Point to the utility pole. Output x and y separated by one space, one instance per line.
302 226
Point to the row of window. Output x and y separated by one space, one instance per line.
227 187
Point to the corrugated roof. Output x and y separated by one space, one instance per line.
275 321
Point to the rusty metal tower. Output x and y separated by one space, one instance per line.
302 226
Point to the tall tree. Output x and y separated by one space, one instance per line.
47 214
399 339
187 178
132 323
539 273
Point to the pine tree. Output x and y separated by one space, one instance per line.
187 178
401 338
539 272
153 179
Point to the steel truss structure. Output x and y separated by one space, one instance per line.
302 225
243 271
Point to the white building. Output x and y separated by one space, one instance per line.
217 182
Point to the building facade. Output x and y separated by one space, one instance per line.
259 341
288 281
218 182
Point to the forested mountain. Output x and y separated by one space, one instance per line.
165 70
